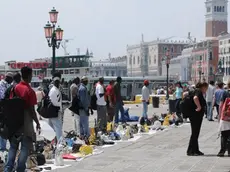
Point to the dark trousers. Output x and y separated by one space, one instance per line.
195 121
225 146
217 109
178 111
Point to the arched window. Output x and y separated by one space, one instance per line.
215 9
107 73
130 60
220 9
223 9
134 60
113 73
138 59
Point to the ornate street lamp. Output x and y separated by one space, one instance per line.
167 62
53 35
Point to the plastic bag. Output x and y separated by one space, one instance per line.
60 150
46 131
166 120
157 125
86 150
120 131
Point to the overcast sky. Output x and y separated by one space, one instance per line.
101 25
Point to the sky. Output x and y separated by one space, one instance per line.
102 26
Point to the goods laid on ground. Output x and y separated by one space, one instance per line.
48 156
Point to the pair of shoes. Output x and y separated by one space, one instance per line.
211 120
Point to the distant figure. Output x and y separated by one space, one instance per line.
209 99
119 101
111 101
145 98
40 95
73 93
101 105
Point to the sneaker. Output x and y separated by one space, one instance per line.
220 154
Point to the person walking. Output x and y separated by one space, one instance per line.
101 105
178 95
217 97
209 99
110 97
224 125
196 118
40 95
119 101
4 84
56 99
145 99
25 135
74 92
84 98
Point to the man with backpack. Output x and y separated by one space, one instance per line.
24 95
4 84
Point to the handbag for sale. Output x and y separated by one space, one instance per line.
31 161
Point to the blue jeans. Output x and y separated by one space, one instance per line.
145 110
24 152
119 107
2 144
84 123
209 110
56 124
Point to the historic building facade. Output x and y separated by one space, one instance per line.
145 59
109 67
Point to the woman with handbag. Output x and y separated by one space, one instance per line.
196 118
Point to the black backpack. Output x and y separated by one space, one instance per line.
12 119
187 105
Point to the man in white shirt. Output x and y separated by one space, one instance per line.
56 99
101 105
145 98
209 99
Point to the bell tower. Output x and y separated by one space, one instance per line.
216 17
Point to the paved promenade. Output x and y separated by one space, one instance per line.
162 152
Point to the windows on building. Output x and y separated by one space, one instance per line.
134 60
138 60
130 60
155 60
210 55
208 9
215 9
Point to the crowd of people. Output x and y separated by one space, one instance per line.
107 101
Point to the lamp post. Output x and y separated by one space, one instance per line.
53 35
167 62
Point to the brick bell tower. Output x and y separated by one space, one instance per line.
216 17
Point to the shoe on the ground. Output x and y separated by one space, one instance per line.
192 154
216 117
199 153
221 154
211 120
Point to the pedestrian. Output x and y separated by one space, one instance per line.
209 99
40 95
24 136
110 100
178 94
119 101
101 105
196 118
56 100
16 80
224 125
217 97
145 98
84 108
74 92
4 84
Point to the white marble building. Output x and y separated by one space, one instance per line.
145 59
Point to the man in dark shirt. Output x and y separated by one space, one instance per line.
119 101
25 135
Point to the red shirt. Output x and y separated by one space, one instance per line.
110 92
24 91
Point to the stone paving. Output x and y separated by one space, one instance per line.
162 152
